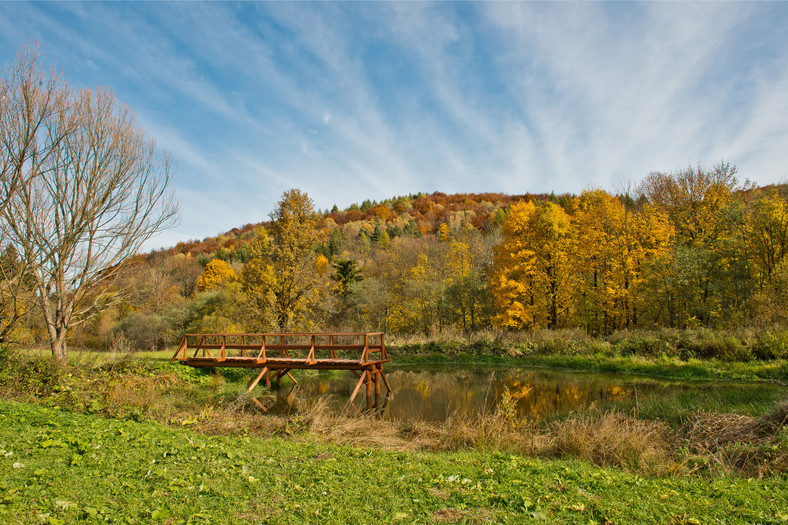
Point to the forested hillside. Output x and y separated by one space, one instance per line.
690 248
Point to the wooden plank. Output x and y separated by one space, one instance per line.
385 381
369 390
259 377
278 363
358 387
288 334
178 351
310 358
261 355
260 404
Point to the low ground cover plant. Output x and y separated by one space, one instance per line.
59 467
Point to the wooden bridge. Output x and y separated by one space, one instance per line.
277 354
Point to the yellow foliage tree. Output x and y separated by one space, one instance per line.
283 272
614 249
532 278
767 232
216 274
707 277
467 292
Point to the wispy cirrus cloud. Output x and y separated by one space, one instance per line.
349 101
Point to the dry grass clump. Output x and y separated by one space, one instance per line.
143 392
364 430
708 442
319 419
736 443
775 420
613 439
711 431
494 431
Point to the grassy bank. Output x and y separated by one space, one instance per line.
677 354
62 467
660 367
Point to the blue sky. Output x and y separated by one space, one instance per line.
349 101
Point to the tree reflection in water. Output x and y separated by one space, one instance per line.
435 393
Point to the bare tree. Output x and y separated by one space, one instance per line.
91 189
29 99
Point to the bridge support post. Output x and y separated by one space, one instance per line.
361 380
257 380
377 387
369 390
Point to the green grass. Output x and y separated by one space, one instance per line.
61 467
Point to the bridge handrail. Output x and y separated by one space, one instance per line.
366 342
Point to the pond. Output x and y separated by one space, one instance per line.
434 393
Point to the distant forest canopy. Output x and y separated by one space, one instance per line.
692 248
415 214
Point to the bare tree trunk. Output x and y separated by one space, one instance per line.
58 346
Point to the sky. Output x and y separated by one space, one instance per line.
371 100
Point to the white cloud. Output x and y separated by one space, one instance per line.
371 100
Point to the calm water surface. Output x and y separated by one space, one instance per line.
433 393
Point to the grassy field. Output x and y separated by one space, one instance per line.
133 439
62 467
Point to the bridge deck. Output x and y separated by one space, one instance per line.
276 354
278 363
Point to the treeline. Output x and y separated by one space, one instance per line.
686 249
695 249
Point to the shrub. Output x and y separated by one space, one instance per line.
770 346
707 344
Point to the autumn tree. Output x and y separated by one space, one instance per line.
767 235
216 274
532 277
767 231
615 248
258 280
375 302
514 270
468 295
708 278
93 189
281 275
424 299
647 246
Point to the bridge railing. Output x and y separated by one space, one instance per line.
363 347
